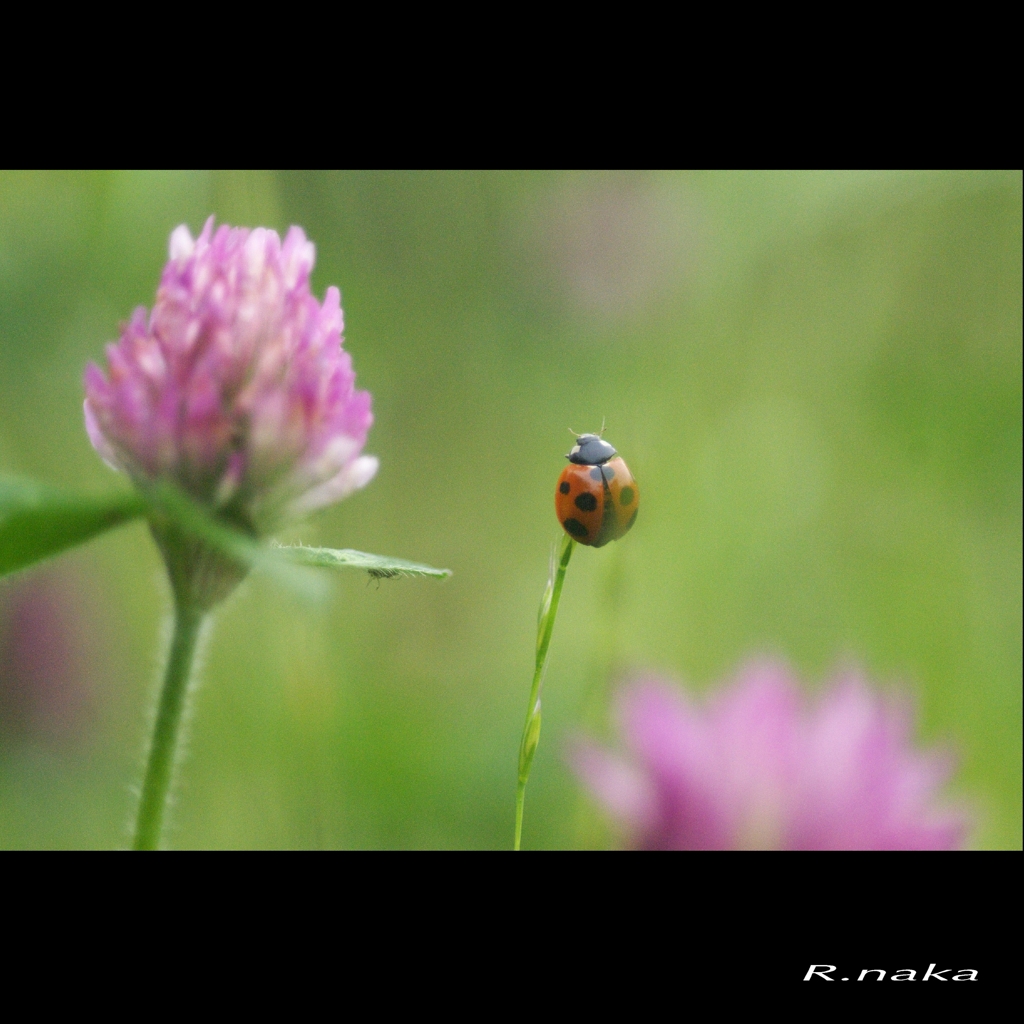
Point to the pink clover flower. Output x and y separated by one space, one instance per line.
758 767
236 387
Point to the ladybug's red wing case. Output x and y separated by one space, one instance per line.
579 502
621 501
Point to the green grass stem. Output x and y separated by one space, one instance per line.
545 625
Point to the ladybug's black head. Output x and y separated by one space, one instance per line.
590 450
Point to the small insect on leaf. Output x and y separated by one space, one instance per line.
381 574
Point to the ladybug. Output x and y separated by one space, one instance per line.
596 498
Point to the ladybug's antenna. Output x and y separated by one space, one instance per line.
601 431
573 432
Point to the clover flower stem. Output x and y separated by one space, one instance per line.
188 624
545 625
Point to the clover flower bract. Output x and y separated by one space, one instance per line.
756 769
235 387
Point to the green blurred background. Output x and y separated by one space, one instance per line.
815 377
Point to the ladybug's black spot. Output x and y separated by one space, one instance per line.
596 474
564 486
626 497
586 502
575 527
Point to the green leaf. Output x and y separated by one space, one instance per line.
378 566
37 521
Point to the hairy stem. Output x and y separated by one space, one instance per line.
545 624
188 622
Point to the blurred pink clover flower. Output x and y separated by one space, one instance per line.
760 768
236 387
